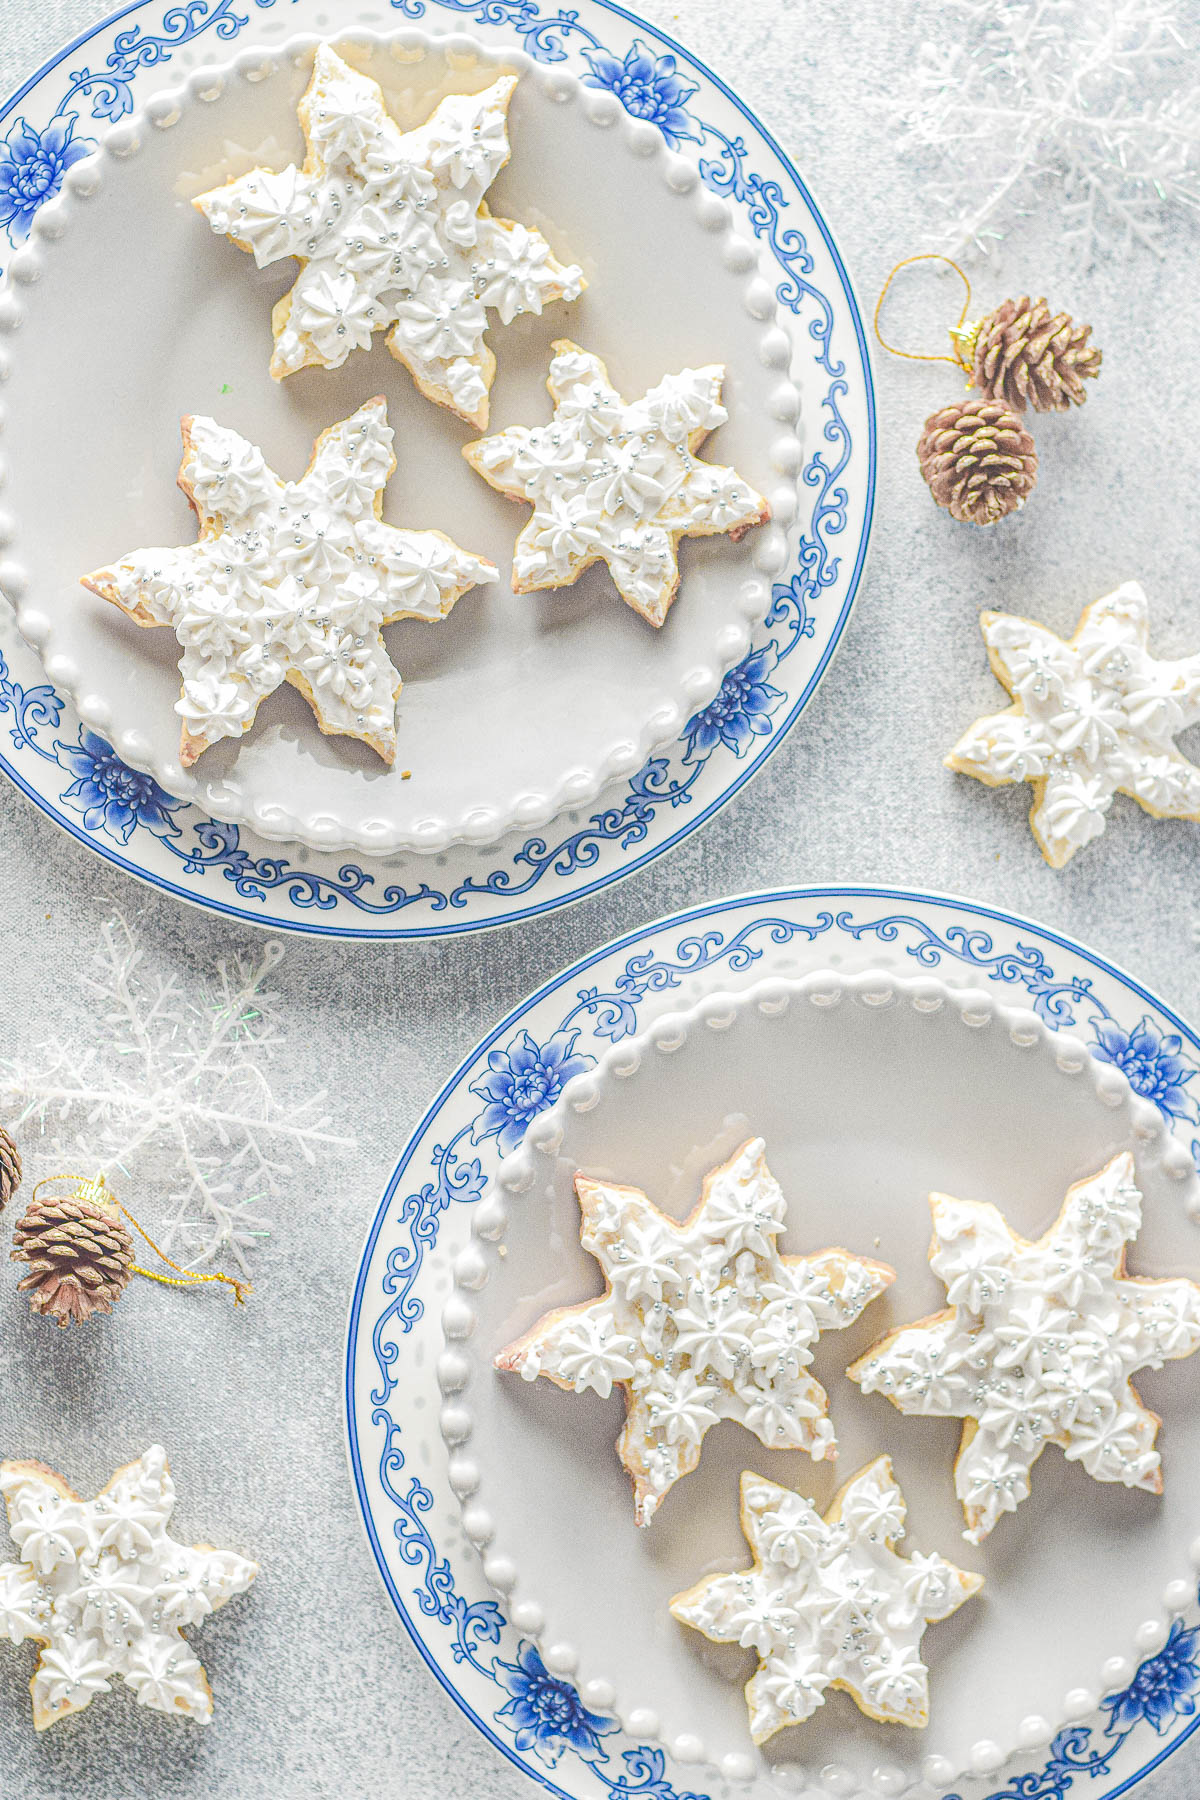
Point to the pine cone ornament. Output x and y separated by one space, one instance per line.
10 1168
1024 356
979 460
79 1253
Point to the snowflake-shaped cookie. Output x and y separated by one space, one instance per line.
1092 717
828 1603
392 230
1039 1344
103 1588
617 481
699 1321
290 581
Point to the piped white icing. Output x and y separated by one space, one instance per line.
1094 716
828 1602
290 581
701 1320
393 233
616 480
1039 1344
104 1588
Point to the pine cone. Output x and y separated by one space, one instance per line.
80 1258
10 1168
1025 357
978 459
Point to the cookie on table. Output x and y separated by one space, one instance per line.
617 481
1092 716
290 581
393 233
700 1320
107 1592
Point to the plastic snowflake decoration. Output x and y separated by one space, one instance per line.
1039 1344
1091 717
829 1603
1098 97
617 481
699 1321
290 581
167 1083
393 233
106 1591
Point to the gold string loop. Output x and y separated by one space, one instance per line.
95 1189
962 337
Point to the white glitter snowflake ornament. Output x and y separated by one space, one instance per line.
617 481
290 581
699 1321
1039 1344
1083 111
106 1592
393 234
828 1603
1091 717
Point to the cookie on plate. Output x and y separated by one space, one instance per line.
828 1603
700 1320
1039 1344
393 234
617 481
290 581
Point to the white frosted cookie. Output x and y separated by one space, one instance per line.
828 1603
617 481
699 1321
290 581
1039 1344
1092 716
393 234
106 1591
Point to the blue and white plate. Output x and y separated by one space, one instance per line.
71 773
1116 1733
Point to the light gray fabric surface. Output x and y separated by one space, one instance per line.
318 1691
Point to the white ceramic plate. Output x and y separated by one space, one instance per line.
1141 1705
514 706
871 1092
128 814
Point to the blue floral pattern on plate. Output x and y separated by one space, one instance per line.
222 866
648 87
32 166
547 1713
523 1081
740 712
1164 1688
111 796
1151 1062
539 1718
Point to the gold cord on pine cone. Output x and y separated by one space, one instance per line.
95 1191
962 336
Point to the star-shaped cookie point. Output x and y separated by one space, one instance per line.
393 234
1091 717
700 1320
290 581
105 1591
616 481
828 1603
1039 1344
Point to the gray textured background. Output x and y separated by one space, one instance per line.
318 1692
